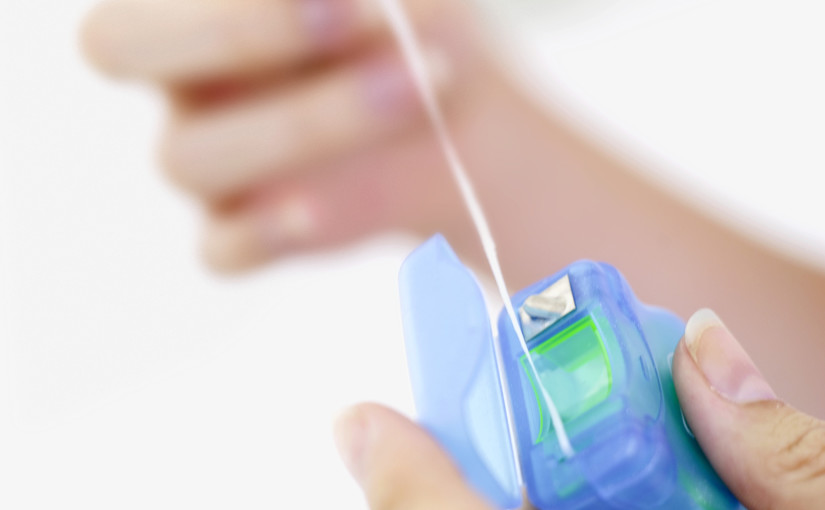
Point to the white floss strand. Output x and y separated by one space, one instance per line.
413 55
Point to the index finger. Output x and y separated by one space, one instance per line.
188 40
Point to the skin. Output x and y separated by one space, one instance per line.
296 124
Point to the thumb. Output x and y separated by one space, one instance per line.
398 464
769 454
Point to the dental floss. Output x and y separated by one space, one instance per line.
406 38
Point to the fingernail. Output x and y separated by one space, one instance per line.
350 435
389 86
725 364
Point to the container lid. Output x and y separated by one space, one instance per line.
453 369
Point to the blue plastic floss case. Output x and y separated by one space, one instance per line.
603 357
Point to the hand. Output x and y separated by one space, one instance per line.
295 121
399 465
770 455
296 125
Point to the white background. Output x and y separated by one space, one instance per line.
131 378
720 100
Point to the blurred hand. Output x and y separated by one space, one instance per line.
295 121
297 126
398 465
770 455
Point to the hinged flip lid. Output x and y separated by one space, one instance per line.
453 369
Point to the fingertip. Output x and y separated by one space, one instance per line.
397 463
691 387
258 232
349 431
198 157
723 361
358 427
99 39
698 323
377 416
229 246
91 37
184 158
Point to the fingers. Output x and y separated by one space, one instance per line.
399 465
321 135
190 40
769 455
402 184
218 153
186 40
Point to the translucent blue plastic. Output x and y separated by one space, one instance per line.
453 369
607 367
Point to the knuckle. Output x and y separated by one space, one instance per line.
800 456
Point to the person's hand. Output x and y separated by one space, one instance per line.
399 465
296 122
770 455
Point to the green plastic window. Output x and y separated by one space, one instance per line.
574 368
